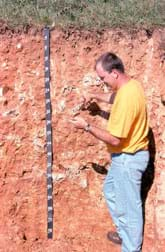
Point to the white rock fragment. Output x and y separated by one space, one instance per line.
1 91
61 105
22 97
87 80
84 183
4 64
58 176
19 46
162 154
91 80
12 112
37 143
67 90
37 73
163 136
76 110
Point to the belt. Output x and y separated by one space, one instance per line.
130 153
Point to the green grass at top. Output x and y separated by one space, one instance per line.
84 13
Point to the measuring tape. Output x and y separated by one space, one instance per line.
48 135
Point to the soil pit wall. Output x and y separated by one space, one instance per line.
81 218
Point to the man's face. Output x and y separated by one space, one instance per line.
107 78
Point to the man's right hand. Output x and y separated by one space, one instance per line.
87 98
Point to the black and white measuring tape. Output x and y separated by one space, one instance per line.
48 135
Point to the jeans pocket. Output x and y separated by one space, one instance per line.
142 159
136 170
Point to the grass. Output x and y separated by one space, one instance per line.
84 13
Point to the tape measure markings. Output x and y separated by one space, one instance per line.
48 135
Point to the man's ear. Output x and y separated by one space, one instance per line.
115 74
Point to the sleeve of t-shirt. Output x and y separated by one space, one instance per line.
122 117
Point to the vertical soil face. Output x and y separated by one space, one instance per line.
81 218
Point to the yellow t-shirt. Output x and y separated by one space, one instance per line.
128 119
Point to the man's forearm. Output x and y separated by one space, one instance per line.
104 136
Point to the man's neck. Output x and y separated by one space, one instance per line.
123 80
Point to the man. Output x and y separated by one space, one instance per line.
126 138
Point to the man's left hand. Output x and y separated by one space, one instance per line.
79 122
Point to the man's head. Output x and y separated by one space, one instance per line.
109 68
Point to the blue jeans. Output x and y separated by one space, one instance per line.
122 190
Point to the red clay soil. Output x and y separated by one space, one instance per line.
81 218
